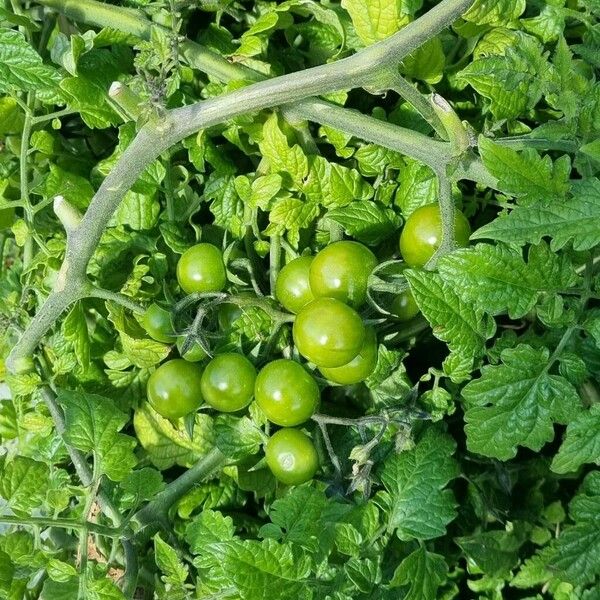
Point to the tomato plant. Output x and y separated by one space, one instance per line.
221 221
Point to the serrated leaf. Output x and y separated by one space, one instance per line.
375 20
23 483
415 482
237 437
513 82
577 552
93 424
423 573
208 527
175 572
76 331
581 443
418 187
366 221
494 12
464 327
495 552
497 279
21 67
526 174
333 185
576 219
263 570
168 444
141 485
289 161
516 404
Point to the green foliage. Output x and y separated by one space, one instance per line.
465 464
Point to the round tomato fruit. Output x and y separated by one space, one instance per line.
228 382
341 271
157 323
404 307
359 368
422 234
292 288
328 332
286 392
174 388
201 269
291 456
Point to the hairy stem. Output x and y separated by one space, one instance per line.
363 68
147 520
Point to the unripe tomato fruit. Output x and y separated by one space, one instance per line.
292 288
341 271
422 234
404 307
286 392
228 382
174 388
201 269
328 332
157 323
291 456
359 368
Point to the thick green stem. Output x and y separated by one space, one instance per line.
363 68
62 523
147 520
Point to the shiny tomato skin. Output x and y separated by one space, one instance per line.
174 388
291 456
292 288
422 234
286 392
404 307
157 323
228 382
201 269
328 333
359 368
341 271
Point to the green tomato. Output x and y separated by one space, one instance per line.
157 323
360 367
201 269
228 382
293 288
286 392
328 332
194 354
404 307
291 456
422 234
341 271
7 218
174 388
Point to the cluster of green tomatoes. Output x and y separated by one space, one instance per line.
325 293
